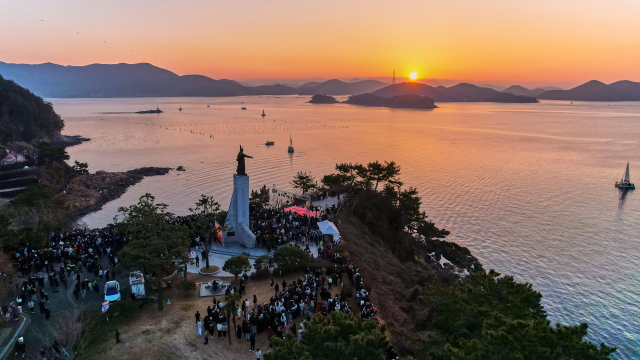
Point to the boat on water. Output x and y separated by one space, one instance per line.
263 114
269 143
625 182
180 108
290 149
243 108
156 111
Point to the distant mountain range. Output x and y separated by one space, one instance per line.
523 91
456 93
594 90
117 80
140 80
146 80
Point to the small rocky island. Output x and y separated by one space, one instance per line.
411 101
323 99
156 111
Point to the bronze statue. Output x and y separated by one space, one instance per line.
240 160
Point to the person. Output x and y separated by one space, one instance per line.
117 336
197 261
47 313
20 348
197 317
224 330
246 329
258 354
219 326
253 341
31 305
239 331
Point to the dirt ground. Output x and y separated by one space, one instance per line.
173 334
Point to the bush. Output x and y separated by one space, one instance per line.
261 274
290 258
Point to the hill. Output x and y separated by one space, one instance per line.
338 87
25 116
594 90
523 91
456 93
124 80
398 101
277 89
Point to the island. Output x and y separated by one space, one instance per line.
156 111
323 99
400 101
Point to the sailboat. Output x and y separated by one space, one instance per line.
290 145
263 114
180 108
624 183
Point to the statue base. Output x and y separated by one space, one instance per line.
238 214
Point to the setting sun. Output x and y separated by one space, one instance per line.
413 76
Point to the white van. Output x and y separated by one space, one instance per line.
136 281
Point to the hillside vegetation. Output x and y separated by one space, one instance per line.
438 300
25 116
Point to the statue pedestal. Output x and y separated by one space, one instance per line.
238 214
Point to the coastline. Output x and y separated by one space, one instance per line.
88 193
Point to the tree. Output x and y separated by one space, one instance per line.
341 337
152 243
209 222
304 182
290 258
386 172
262 262
6 276
80 168
48 154
231 304
237 265
493 317
259 199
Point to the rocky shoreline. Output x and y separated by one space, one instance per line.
68 140
85 194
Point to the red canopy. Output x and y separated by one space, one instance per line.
302 211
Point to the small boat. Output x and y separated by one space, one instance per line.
243 108
624 183
180 108
207 105
290 149
269 143
263 114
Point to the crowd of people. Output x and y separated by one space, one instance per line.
296 302
79 258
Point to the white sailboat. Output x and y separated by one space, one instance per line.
290 145
625 182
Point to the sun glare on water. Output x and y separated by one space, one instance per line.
413 76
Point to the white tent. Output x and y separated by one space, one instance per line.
329 228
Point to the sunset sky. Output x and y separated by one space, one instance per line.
494 41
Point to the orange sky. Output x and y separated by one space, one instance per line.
495 41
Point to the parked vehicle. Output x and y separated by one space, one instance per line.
112 291
136 282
